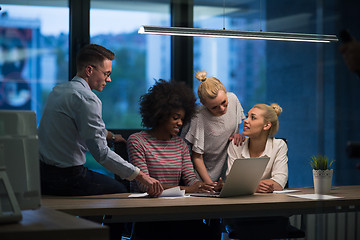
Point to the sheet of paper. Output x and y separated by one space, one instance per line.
174 192
314 196
286 191
139 195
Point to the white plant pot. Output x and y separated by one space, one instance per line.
322 181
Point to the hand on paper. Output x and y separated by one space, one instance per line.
154 188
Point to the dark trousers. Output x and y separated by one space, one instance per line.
76 181
80 181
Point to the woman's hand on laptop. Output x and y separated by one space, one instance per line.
219 185
202 187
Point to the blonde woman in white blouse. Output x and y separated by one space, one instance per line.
260 126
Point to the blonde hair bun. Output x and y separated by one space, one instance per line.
201 76
276 108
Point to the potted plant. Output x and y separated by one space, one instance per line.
322 173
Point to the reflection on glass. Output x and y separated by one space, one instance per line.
238 64
139 59
33 53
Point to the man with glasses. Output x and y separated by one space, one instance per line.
72 124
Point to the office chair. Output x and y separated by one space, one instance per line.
120 149
261 228
287 183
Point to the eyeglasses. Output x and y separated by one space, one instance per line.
106 74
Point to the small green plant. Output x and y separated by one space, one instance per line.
320 162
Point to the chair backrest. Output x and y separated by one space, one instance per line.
287 183
120 148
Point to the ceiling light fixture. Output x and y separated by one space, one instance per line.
201 32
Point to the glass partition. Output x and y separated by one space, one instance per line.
33 53
239 64
297 76
310 81
139 59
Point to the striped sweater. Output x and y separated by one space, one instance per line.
167 161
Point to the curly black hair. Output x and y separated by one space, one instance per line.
162 99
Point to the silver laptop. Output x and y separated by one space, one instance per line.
243 178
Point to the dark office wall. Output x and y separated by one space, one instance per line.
292 82
347 122
318 94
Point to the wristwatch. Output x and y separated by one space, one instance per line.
113 137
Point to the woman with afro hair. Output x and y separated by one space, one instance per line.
159 152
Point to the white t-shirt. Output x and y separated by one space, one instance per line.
209 134
276 149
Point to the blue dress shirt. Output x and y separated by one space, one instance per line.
71 125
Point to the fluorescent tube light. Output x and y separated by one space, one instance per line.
201 32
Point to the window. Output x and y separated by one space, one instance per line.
239 64
310 81
33 53
139 59
289 73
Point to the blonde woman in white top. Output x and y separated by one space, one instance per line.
260 126
215 124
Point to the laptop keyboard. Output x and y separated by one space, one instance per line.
210 194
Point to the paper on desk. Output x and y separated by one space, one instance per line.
138 195
174 192
286 191
314 196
